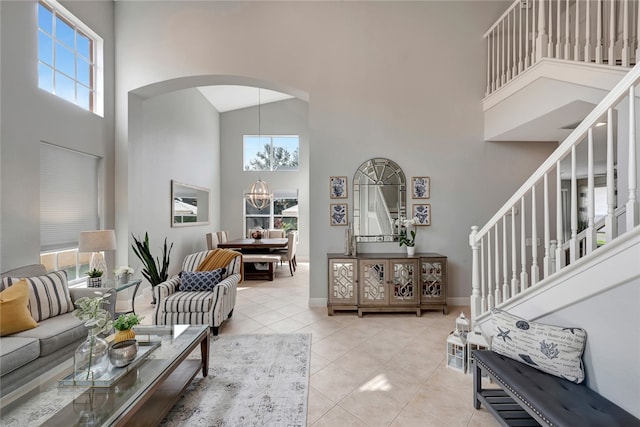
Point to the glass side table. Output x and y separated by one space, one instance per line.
119 287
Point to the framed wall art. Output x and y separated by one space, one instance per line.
338 214
423 214
420 187
338 187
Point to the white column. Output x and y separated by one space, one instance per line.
611 225
632 201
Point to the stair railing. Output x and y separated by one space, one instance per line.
597 32
558 224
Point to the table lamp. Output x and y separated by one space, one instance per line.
96 242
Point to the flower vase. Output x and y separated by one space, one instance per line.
94 282
411 250
125 335
124 278
91 358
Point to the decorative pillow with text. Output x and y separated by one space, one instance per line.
555 350
199 281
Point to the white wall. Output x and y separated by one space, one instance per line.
402 80
180 142
289 117
30 115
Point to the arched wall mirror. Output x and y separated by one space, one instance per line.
379 199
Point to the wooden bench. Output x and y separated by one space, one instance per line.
250 272
529 397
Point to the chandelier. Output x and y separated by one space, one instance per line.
259 195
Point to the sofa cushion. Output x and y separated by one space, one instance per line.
14 310
555 350
189 302
199 281
17 352
56 332
48 294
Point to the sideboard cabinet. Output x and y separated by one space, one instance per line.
387 283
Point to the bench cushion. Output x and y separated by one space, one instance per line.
556 400
555 350
189 302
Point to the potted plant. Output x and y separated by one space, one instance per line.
90 358
95 278
123 325
406 231
123 274
155 270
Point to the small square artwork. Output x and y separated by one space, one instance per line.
338 187
338 214
423 214
420 187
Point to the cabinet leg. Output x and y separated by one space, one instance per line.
445 310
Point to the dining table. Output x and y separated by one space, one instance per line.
257 245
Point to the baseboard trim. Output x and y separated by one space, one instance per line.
459 301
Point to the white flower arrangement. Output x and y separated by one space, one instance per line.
123 270
407 235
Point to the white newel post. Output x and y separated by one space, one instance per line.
476 308
542 40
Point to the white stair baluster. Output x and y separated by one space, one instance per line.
612 33
632 201
497 266
591 230
573 243
558 30
625 33
520 41
599 47
542 40
611 224
567 32
505 264
490 293
546 262
587 32
534 239
483 281
559 220
524 279
514 254
576 45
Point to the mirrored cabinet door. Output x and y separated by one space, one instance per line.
404 283
343 278
373 282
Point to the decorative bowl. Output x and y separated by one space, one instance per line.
122 353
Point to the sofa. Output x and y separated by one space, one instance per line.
211 306
26 355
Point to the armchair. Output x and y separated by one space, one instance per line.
199 308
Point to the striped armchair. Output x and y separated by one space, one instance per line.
197 308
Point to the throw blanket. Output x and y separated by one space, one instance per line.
220 258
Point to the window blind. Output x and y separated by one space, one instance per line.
68 196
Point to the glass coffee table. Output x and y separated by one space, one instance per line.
141 397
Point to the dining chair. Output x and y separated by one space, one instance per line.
212 241
223 236
275 233
290 253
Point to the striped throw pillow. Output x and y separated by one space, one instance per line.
48 294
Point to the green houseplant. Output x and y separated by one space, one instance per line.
155 270
123 325
95 278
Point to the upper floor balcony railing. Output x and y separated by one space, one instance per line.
591 31
581 198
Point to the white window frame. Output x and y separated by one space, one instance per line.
96 103
271 215
270 138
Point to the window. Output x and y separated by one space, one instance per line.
68 53
68 205
282 213
271 152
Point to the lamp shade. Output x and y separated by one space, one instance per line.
259 194
96 241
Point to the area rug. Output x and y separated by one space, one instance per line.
254 380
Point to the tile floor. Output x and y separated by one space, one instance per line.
379 370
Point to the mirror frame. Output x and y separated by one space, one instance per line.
378 171
201 196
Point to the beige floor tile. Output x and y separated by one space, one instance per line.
382 369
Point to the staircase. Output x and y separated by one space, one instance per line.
565 248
